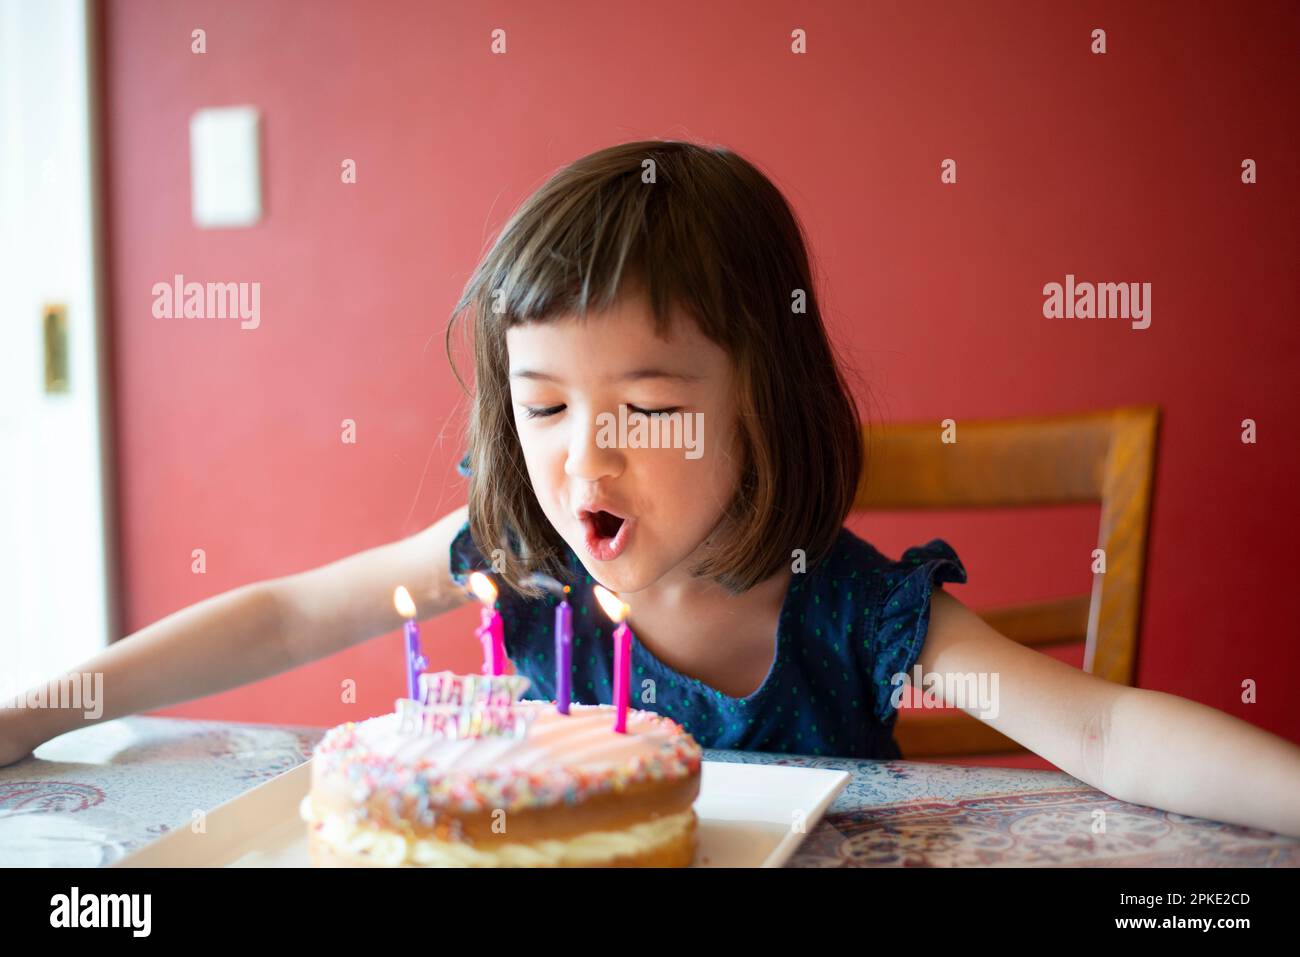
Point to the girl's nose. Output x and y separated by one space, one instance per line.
587 459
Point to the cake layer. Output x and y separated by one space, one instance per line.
668 841
610 810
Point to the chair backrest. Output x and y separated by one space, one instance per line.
1107 457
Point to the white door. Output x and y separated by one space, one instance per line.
55 607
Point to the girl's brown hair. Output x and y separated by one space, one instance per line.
701 229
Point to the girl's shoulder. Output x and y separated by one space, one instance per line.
860 582
465 555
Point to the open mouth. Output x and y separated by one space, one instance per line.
607 534
605 524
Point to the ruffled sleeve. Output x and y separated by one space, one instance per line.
903 614
466 557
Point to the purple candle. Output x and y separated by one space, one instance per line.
415 662
563 653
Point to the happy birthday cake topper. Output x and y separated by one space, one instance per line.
466 706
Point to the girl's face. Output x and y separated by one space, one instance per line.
567 381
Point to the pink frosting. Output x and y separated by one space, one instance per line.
582 739
563 758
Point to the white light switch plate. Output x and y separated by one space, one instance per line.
225 171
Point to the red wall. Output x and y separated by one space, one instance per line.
1122 167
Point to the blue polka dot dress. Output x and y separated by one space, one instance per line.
847 626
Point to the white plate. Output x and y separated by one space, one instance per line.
750 815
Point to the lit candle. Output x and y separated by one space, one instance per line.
617 610
490 630
415 662
563 652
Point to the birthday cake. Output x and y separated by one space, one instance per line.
470 775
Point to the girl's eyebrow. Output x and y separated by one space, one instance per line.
634 375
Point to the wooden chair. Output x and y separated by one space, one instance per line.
1106 457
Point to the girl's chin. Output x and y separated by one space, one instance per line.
619 581
619 576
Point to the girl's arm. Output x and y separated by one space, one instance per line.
1165 751
254 632
1145 747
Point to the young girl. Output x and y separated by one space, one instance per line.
669 280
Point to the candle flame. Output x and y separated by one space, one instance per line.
611 604
483 589
403 603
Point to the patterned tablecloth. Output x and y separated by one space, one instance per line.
89 797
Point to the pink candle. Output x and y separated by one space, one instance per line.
618 610
491 635
622 674
415 662
491 631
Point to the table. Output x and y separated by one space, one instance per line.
91 796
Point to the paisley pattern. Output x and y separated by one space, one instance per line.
60 796
912 814
88 798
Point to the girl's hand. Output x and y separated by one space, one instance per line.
14 744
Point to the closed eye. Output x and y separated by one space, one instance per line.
542 413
